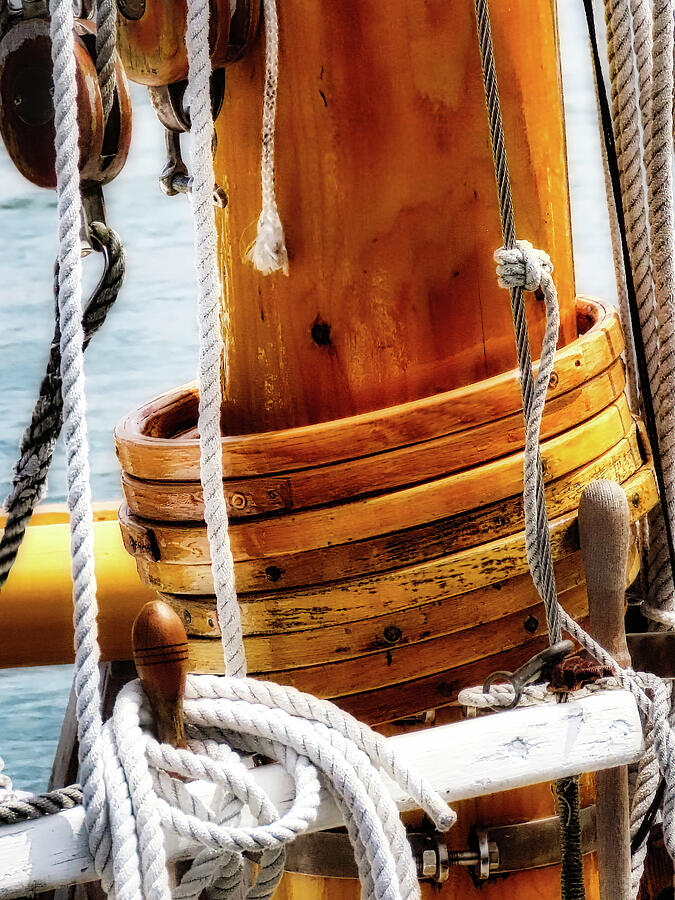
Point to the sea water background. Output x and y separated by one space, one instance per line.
149 342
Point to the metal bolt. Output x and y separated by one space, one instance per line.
239 501
428 863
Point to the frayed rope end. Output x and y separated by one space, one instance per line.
268 251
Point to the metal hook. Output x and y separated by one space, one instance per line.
531 671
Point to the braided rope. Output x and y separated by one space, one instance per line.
661 223
211 348
87 682
268 251
23 809
39 439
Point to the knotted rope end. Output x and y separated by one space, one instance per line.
522 266
268 251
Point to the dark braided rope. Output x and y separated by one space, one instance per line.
39 439
34 807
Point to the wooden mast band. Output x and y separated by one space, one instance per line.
322 485
348 522
152 442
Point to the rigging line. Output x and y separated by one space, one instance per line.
39 438
543 574
613 165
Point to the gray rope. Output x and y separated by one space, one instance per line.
106 56
39 439
541 566
25 808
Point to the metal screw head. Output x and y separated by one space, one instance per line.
531 624
239 501
392 634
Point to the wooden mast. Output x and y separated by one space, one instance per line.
386 189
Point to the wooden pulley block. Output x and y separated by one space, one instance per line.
151 36
27 109
26 104
117 134
168 102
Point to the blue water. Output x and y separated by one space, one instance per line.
149 342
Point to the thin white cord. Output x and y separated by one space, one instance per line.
268 251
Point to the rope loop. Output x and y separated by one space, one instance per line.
522 266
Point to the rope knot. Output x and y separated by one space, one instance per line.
522 266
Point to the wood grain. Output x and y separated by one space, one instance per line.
151 444
410 545
374 474
386 188
347 522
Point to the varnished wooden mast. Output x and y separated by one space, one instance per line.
386 189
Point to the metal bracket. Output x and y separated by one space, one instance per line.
493 850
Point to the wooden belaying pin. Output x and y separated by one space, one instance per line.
160 649
604 536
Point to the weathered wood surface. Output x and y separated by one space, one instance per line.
348 522
455 573
389 207
468 759
287 649
393 548
436 646
149 444
377 473
352 624
605 538
152 46
439 538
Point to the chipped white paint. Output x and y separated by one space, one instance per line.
467 759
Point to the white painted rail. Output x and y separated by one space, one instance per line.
468 759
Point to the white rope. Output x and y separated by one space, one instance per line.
86 679
661 222
501 696
268 251
211 349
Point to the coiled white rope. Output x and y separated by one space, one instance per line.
130 788
268 251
